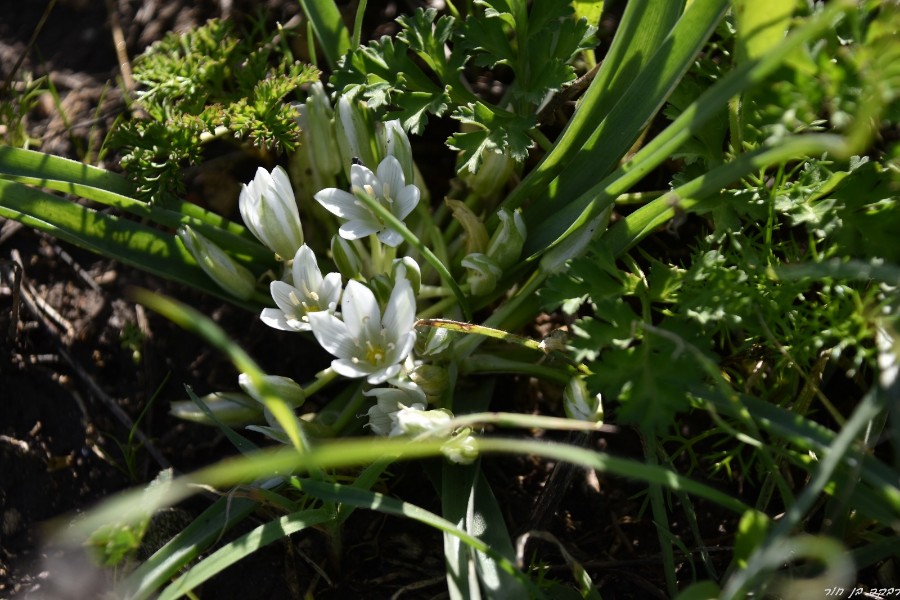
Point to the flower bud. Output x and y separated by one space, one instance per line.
462 448
320 132
383 415
381 286
579 404
283 387
431 341
269 210
407 268
395 143
346 257
228 274
413 421
355 132
496 169
507 241
483 273
228 408
476 233
432 379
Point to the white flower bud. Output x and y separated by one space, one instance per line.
579 404
228 274
413 421
483 273
509 238
229 408
284 387
320 133
355 131
269 210
407 268
432 341
396 143
462 448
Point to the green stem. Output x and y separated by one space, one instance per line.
390 220
490 363
357 24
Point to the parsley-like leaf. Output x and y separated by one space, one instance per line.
491 131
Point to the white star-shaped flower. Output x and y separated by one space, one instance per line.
388 187
364 343
310 293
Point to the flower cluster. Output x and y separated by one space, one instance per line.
359 303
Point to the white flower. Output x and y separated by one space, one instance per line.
388 188
389 401
310 293
365 343
269 210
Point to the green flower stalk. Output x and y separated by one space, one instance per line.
229 408
228 274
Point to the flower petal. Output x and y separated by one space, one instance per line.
307 276
342 204
332 334
405 201
383 375
348 368
275 319
361 313
400 314
281 294
390 176
361 176
359 228
390 237
330 292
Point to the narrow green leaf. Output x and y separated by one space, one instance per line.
644 26
633 111
126 241
332 34
153 573
242 547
